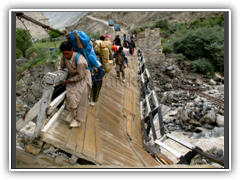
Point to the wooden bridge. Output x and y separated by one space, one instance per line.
112 133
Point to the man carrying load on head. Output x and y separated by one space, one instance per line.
79 83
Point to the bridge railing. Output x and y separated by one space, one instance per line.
150 109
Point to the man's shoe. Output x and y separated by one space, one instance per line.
75 123
123 80
92 103
117 77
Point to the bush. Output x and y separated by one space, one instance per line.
18 53
180 57
89 13
205 43
167 48
202 66
163 40
54 34
164 24
23 40
93 35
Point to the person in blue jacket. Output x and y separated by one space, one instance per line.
121 62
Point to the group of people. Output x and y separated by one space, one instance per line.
126 43
80 91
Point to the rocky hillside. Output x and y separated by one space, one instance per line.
37 32
130 19
60 20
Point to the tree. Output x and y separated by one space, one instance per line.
23 40
54 34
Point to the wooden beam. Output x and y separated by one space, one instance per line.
31 114
52 120
46 98
54 78
55 103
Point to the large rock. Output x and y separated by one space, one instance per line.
212 82
199 81
217 77
175 72
220 120
209 118
21 61
184 116
217 132
32 56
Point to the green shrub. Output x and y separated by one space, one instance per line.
167 48
43 40
202 43
134 30
180 57
54 34
163 40
89 13
23 40
146 26
153 19
93 35
18 53
202 66
164 24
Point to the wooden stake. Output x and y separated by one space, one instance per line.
78 40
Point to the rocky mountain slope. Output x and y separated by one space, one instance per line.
37 32
61 19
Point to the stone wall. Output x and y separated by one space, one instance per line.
155 47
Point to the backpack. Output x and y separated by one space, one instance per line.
82 44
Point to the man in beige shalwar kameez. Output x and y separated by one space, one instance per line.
79 83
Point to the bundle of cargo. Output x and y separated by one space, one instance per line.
115 49
102 49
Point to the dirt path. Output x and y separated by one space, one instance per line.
123 29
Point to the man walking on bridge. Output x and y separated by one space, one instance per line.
117 41
79 83
121 61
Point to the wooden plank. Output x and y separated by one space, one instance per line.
46 98
80 137
149 160
55 103
60 130
89 147
72 140
129 126
65 112
31 114
49 138
52 120
99 153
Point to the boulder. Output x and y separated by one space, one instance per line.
217 132
21 61
217 77
221 88
169 68
199 81
209 118
220 120
32 56
184 116
212 82
168 86
175 72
